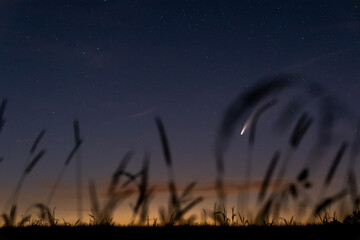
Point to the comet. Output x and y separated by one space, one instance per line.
244 128
246 125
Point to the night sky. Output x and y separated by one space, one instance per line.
116 65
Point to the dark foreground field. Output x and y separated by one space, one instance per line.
253 232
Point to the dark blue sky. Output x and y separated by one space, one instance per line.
115 65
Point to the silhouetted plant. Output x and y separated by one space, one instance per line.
176 212
248 107
103 215
28 168
352 218
78 142
46 216
145 192
10 219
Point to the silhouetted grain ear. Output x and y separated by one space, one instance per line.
335 163
36 142
303 175
268 175
2 111
300 129
164 141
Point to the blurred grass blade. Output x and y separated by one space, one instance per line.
2 107
13 198
34 161
72 153
268 175
175 205
328 201
351 180
36 142
300 129
76 131
131 178
188 190
264 211
78 143
164 141
189 206
335 163
2 111
24 220
144 192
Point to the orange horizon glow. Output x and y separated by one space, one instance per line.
64 204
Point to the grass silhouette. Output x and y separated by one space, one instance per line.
275 192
